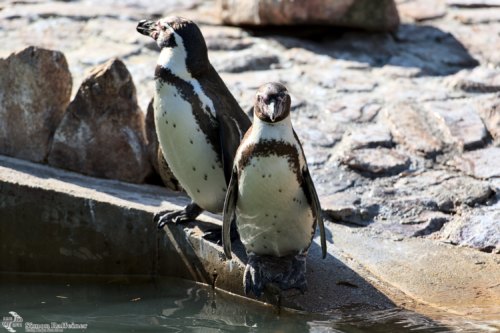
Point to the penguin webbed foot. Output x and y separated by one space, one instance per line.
189 213
282 273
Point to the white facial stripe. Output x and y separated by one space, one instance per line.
271 107
175 60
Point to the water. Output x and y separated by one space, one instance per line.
174 305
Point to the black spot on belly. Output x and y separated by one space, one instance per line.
190 141
213 167
265 246
269 176
175 125
263 176
279 190
198 190
194 168
205 176
267 215
275 216
278 231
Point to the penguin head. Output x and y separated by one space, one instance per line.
182 46
272 102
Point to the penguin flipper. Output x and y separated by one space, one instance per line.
228 212
231 132
311 193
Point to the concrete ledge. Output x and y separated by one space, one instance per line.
54 221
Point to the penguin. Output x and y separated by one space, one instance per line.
272 198
198 122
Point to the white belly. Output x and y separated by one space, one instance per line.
273 215
190 156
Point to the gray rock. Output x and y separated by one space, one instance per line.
489 110
370 136
478 16
454 192
318 133
412 128
463 122
226 38
416 222
35 88
473 3
433 51
478 229
376 162
408 184
347 207
88 9
481 163
365 14
73 10
253 59
422 10
434 222
478 80
102 133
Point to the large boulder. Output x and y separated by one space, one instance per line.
379 15
35 89
102 133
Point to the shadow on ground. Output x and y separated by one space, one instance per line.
431 51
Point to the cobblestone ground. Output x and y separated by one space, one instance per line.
401 130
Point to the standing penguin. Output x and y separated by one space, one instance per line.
198 122
272 197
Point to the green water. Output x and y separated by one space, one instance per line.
174 305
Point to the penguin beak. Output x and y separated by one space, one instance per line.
147 28
275 109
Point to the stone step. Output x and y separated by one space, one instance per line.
54 221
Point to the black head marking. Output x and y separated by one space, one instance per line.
272 102
176 32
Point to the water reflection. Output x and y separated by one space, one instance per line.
173 305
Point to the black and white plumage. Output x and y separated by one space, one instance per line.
198 122
272 198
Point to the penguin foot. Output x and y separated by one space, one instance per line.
283 272
189 213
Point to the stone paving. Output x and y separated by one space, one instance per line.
401 130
